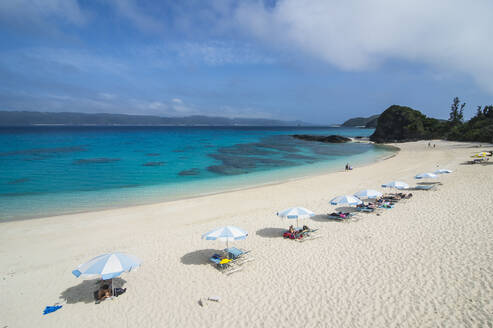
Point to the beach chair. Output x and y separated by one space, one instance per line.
289 235
238 256
340 216
424 187
308 234
337 217
301 235
392 198
220 262
224 265
365 209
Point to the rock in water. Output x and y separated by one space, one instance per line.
328 139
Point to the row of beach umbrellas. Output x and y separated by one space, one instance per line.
112 265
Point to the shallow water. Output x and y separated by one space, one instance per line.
56 170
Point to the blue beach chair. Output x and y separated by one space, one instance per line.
237 255
220 262
365 209
424 187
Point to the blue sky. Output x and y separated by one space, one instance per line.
320 61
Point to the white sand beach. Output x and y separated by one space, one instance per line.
428 262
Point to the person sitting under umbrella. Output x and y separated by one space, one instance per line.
104 292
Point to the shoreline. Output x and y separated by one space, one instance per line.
424 263
319 172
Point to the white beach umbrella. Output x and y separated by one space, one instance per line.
107 266
443 171
296 213
227 234
396 185
428 175
346 199
368 193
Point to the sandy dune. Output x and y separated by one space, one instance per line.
427 262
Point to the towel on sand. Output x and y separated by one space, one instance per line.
50 309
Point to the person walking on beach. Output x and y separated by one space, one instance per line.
347 167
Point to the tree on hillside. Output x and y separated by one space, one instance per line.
456 111
479 112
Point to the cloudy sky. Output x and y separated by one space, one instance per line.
320 61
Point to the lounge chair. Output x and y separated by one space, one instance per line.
225 265
238 255
292 235
235 253
307 234
392 198
300 235
365 209
424 187
220 261
340 215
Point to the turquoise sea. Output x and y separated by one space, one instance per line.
51 170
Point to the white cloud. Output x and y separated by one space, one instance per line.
163 108
107 96
216 53
210 53
241 112
131 11
360 35
40 13
156 105
79 60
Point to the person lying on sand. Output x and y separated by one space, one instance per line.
104 292
305 229
339 214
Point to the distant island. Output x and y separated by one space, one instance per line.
362 122
31 118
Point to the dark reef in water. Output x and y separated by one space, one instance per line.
193 171
43 151
153 154
95 160
298 156
154 164
329 139
183 149
243 164
246 149
17 181
129 186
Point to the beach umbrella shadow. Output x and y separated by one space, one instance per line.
198 257
321 218
86 291
271 232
